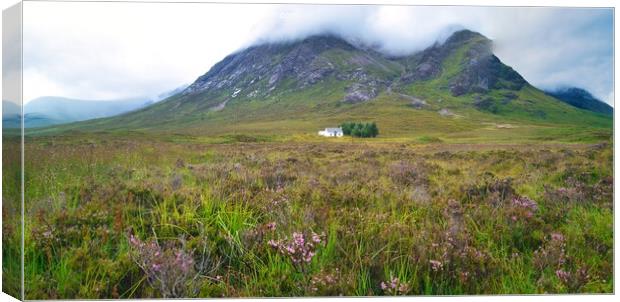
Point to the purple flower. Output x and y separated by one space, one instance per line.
436 265
394 287
298 249
271 226
563 275
298 239
316 238
273 243
557 237
525 202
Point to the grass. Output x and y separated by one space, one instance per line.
385 208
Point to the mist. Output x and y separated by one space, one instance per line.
550 47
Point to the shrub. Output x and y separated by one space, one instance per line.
574 281
552 254
169 269
300 249
394 287
360 129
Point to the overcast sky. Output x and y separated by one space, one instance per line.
123 50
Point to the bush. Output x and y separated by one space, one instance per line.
360 129
170 269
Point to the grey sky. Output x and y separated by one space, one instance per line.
120 50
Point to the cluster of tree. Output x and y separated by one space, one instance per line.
360 129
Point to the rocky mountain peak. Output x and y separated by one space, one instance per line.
321 43
464 36
480 70
465 60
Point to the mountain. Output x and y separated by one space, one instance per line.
50 110
9 109
10 114
55 110
581 98
300 86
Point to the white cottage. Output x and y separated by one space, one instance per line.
331 132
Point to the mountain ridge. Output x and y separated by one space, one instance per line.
581 98
323 80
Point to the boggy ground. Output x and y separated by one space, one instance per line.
120 218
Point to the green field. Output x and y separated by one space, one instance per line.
486 210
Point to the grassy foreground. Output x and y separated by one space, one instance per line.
138 217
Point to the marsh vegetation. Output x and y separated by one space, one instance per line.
136 217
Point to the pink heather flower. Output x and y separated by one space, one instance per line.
298 238
47 234
394 287
271 226
557 237
436 265
299 250
562 275
525 202
316 238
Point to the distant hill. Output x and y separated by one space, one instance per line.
581 98
301 86
52 110
10 114
47 111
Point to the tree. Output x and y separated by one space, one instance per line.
356 129
366 130
347 127
374 131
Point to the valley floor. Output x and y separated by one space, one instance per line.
134 218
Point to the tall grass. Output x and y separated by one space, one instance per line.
433 218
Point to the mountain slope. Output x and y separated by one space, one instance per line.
458 86
581 98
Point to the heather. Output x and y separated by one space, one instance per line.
140 217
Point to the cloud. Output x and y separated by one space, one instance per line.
550 47
11 55
119 50
132 49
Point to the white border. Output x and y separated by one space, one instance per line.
575 3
